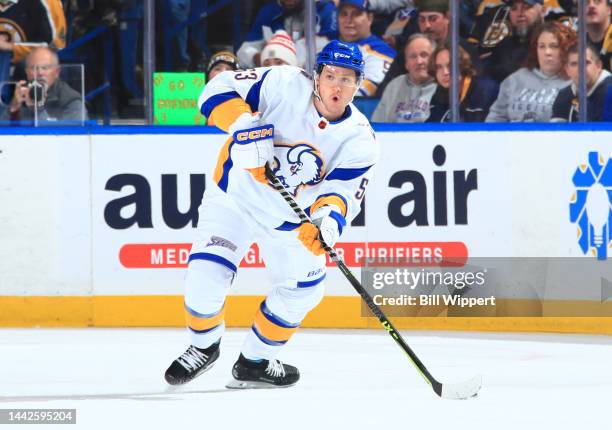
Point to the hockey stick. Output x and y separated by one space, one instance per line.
463 390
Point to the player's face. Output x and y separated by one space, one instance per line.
273 62
434 25
442 66
592 69
524 16
417 56
353 23
549 54
598 11
218 68
337 86
42 66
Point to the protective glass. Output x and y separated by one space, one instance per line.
43 95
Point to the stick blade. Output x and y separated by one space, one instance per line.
462 390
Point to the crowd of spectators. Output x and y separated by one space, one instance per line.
518 59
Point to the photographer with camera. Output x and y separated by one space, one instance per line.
44 97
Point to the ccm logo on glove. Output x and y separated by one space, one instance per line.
254 134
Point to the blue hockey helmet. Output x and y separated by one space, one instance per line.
341 54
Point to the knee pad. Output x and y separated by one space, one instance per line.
206 285
292 304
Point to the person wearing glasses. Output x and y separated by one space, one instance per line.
44 97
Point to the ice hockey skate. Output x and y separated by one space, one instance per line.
263 374
191 363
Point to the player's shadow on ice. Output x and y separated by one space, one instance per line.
169 393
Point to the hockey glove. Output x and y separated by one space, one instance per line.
327 224
253 144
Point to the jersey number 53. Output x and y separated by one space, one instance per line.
246 74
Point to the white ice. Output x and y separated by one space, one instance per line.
351 379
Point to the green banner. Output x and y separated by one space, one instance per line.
175 98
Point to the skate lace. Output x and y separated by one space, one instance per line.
192 359
275 368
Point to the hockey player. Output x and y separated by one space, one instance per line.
323 150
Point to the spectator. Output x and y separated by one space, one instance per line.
354 25
55 101
220 62
565 108
476 94
491 21
285 15
529 93
599 29
279 51
607 111
181 11
510 53
434 22
407 97
24 22
404 14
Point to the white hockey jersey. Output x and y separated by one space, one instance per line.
319 162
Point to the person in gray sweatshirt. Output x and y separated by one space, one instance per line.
528 94
407 97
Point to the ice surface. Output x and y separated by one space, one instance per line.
351 379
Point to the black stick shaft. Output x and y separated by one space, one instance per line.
367 298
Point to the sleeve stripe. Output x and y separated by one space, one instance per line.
252 97
214 101
330 198
339 219
346 174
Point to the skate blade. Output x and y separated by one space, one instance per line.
235 384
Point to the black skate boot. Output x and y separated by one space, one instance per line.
191 363
262 374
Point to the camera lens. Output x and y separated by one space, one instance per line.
36 93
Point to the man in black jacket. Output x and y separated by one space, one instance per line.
565 108
44 98
508 56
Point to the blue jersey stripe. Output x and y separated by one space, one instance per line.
213 257
216 100
339 219
252 97
227 166
288 226
346 174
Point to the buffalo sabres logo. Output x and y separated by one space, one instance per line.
297 166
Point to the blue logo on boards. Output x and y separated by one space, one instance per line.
591 205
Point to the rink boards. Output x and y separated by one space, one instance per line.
96 228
